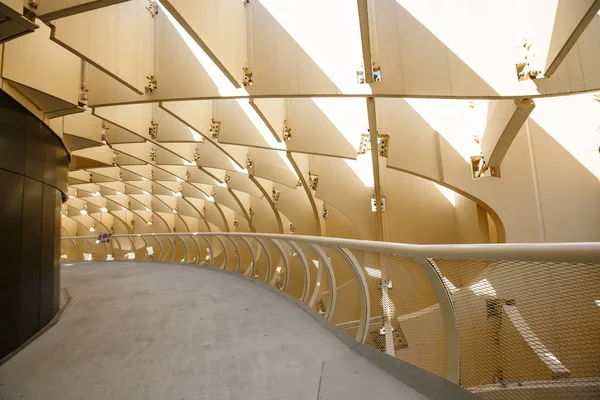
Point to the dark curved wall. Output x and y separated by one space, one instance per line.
33 178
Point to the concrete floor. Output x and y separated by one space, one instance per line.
160 331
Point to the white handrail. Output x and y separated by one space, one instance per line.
576 252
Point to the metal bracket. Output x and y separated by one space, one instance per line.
360 75
215 129
153 130
481 169
104 139
376 73
152 85
83 95
152 154
247 81
526 68
287 131
314 181
152 8
385 282
276 194
374 203
382 144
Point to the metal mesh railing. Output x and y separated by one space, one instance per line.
526 325
522 329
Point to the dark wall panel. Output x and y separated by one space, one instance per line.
35 150
29 299
11 209
12 137
48 255
33 181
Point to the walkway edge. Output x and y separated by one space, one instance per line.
57 317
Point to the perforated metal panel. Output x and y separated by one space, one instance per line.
347 312
527 329
406 320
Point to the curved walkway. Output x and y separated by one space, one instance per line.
166 331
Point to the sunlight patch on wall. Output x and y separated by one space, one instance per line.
579 134
458 121
449 194
197 137
483 288
484 44
534 342
348 115
373 273
337 52
363 169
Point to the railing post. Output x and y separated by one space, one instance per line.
448 316
91 247
313 298
132 245
386 304
118 244
210 251
365 301
172 247
250 270
74 250
160 247
332 284
298 250
145 247
224 264
185 248
283 260
197 248
236 250
106 251
268 273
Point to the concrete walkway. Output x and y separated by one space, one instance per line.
164 331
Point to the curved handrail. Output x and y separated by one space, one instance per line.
587 252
